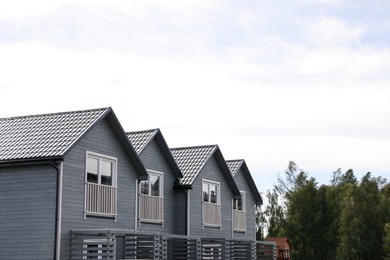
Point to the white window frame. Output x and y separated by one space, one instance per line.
161 184
211 205
239 215
157 201
100 157
205 181
243 199
113 187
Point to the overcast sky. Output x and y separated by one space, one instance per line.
269 81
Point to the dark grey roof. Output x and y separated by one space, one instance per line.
140 139
191 160
45 135
234 166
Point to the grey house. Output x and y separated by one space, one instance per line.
244 214
210 190
74 185
156 198
63 171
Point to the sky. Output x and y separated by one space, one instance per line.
269 81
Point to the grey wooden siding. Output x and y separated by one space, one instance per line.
153 159
27 212
212 172
181 212
242 185
100 139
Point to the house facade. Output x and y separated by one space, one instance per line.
75 185
244 208
210 190
156 200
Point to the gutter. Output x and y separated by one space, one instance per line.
58 218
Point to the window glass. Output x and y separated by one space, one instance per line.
213 193
239 204
106 172
92 170
154 185
210 192
144 187
205 192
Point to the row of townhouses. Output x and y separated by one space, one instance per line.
75 185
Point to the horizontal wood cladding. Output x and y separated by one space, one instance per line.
102 140
211 172
153 159
27 212
242 185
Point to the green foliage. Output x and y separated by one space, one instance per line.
347 219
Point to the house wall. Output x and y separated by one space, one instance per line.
100 139
242 185
180 212
153 159
27 212
211 171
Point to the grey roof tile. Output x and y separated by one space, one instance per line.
140 139
191 160
234 165
45 135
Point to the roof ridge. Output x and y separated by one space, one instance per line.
195 146
55 113
143 131
231 160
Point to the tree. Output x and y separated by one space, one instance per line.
274 214
361 228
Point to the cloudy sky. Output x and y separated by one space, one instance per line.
269 81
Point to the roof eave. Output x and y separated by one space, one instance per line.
225 169
167 154
37 160
252 185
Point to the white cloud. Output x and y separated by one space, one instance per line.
266 82
331 31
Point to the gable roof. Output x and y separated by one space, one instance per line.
50 136
191 161
234 166
140 139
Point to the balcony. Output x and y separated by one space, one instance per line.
151 208
239 220
211 213
100 199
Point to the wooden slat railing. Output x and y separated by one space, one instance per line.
151 208
100 199
211 213
239 220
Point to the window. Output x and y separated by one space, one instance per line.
100 185
239 213
100 170
240 204
153 186
211 208
151 198
210 192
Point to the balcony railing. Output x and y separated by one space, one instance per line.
211 213
100 199
239 220
151 208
